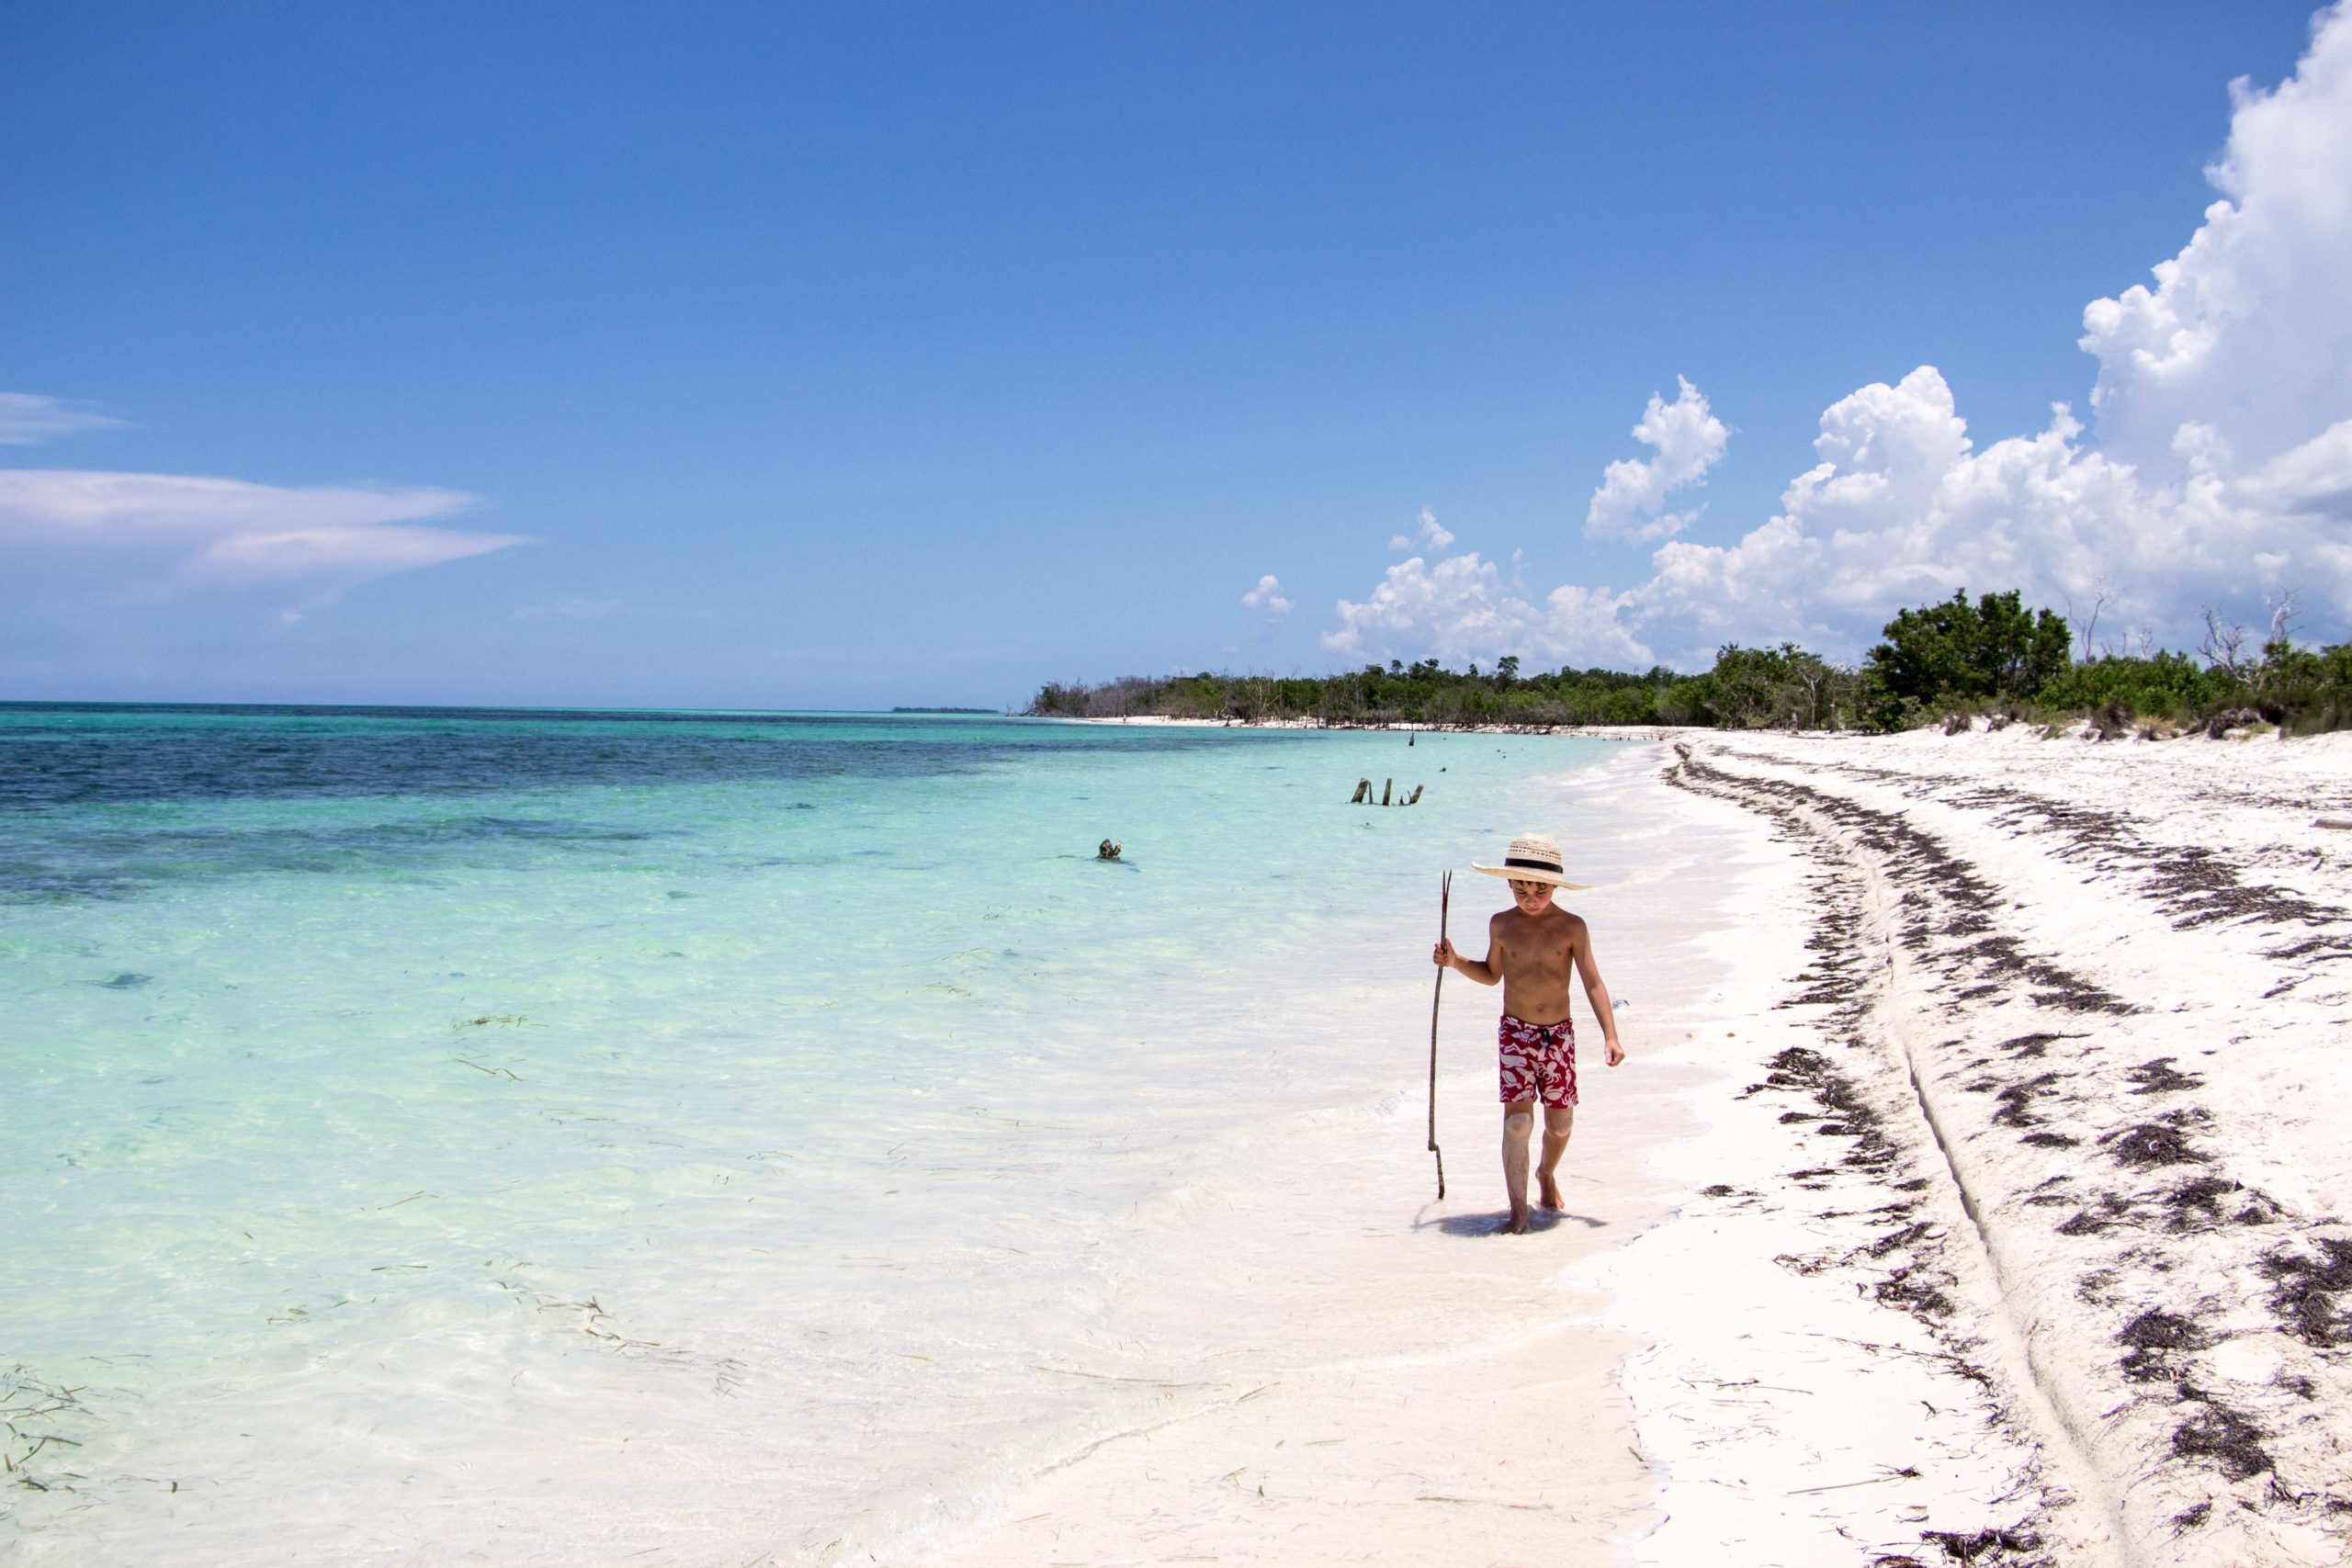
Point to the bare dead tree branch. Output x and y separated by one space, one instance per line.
2224 642
2104 597
2282 616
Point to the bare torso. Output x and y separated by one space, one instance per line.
1536 953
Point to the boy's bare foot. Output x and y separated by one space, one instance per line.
1547 1191
1520 1219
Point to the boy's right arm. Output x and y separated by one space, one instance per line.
1487 971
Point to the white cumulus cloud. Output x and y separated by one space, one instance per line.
1687 440
1461 609
2248 331
2221 463
28 419
1901 509
2217 471
1268 597
1433 534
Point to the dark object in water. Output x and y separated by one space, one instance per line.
126 981
1108 851
1388 794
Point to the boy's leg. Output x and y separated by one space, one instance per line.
1558 1120
1519 1120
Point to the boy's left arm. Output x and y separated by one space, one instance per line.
1596 991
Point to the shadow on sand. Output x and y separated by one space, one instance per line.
1493 1224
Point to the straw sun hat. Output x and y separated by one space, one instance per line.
1532 857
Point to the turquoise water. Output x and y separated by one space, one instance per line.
587 1119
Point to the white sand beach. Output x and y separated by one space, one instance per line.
1976 1193
2090 991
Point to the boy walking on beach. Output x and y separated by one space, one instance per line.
1530 948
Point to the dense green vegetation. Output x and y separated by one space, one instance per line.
1953 658
1956 653
2303 690
1422 694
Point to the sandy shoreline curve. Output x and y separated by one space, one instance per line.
1988 1201
1399 1382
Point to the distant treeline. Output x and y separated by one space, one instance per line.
1936 662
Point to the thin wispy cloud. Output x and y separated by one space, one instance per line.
152 535
2220 463
569 610
29 419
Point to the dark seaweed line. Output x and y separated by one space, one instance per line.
2310 1284
1835 980
1919 859
2194 884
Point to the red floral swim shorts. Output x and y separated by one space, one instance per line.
1539 1060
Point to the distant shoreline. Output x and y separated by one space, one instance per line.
2080 731
1592 732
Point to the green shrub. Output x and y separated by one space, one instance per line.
1955 654
2165 685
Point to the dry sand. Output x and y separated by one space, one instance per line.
1977 1194
2105 982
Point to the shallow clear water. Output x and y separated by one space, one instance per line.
737 1121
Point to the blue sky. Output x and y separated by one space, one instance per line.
763 357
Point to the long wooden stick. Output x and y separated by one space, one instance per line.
1445 902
